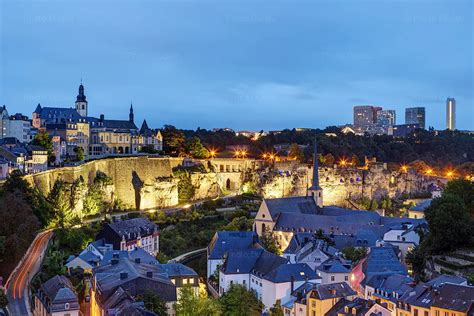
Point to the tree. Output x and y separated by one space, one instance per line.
173 140
186 189
464 189
354 254
329 160
237 300
2 247
42 139
79 153
59 198
190 304
416 259
296 152
153 303
276 309
3 299
270 243
240 224
195 148
450 224
355 161
148 149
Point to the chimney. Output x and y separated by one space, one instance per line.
149 274
102 117
292 280
123 275
137 260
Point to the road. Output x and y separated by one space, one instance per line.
17 284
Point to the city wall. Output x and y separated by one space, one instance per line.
147 182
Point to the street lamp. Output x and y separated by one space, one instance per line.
213 153
404 168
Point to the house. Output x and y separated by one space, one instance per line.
56 297
130 234
403 236
99 247
444 299
418 211
135 254
122 280
356 307
322 297
86 260
388 289
334 270
37 159
150 138
224 241
379 261
269 275
295 305
307 248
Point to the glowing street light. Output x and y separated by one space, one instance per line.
449 174
343 162
404 168
429 171
212 153
264 156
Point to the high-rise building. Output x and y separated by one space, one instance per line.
451 113
386 117
415 116
365 115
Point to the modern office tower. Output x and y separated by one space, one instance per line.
386 117
365 115
415 116
451 114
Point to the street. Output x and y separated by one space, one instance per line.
17 285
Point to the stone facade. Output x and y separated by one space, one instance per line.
147 182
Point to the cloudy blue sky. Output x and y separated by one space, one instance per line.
241 64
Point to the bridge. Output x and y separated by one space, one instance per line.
188 256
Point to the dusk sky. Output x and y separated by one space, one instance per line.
241 64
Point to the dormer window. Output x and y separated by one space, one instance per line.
66 306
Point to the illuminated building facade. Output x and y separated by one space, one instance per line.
451 114
415 116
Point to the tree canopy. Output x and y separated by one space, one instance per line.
237 300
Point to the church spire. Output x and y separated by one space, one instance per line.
315 190
130 115
81 97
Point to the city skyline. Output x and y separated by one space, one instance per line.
238 66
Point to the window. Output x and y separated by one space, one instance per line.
346 278
66 306
332 277
245 282
415 310
185 281
427 313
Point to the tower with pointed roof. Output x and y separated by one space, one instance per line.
81 102
315 190
130 115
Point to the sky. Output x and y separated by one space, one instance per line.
248 64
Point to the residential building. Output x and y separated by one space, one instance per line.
382 261
269 275
403 236
388 289
295 305
17 126
56 297
357 307
131 234
418 211
450 114
307 248
224 241
365 115
37 159
322 297
150 138
415 115
116 285
386 118
334 270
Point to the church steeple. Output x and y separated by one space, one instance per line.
81 102
315 190
130 115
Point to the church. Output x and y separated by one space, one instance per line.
288 216
98 137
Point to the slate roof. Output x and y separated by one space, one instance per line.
334 290
178 269
59 291
59 115
296 204
382 261
446 278
361 306
135 278
335 266
297 242
130 229
289 272
421 295
422 206
120 124
454 297
391 286
224 241
137 253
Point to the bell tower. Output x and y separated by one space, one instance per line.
315 190
81 102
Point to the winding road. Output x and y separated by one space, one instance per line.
17 284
